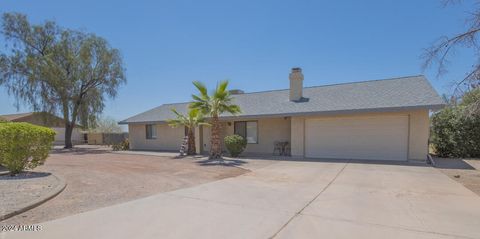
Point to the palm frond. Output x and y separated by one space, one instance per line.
178 121
197 98
201 88
192 119
222 86
175 112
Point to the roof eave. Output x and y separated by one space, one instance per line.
312 113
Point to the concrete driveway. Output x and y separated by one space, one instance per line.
286 199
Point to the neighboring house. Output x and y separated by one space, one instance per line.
379 119
47 120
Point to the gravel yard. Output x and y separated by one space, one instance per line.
464 171
99 178
25 190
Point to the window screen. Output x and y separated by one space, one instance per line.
248 130
151 131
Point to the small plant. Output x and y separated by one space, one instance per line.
124 145
235 144
24 146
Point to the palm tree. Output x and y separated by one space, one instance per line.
220 101
193 119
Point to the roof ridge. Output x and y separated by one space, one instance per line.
178 103
334 84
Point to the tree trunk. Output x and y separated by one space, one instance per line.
191 142
216 146
68 135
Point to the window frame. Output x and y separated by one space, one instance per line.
246 122
151 136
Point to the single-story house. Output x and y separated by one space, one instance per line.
47 120
378 119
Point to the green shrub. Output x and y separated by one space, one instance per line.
235 144
124 145
455 133
24 146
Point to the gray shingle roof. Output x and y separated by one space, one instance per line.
366 96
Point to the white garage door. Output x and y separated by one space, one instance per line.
379 138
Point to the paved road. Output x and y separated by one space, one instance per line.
292 200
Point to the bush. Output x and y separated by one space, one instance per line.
454 132
235 144
124 145
24 146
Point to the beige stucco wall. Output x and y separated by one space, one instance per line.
269 130
417 139
77 136
298 136
419 131
168 138
275 129
206 133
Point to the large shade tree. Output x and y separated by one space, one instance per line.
218 102
105 124
193 119
442 52
58 70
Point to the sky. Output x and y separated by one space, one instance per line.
168 44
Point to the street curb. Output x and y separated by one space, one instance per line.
35 203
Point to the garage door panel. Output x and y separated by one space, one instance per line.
382 138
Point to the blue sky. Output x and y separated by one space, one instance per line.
168 44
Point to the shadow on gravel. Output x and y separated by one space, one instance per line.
221 162
25 175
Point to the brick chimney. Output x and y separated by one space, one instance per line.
296 84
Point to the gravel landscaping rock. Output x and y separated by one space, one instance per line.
98 178
26 190
464 171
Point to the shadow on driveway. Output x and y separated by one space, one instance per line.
450 163
326 160
81 150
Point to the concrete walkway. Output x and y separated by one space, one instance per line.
291 200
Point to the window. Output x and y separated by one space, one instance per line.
151 131
248 130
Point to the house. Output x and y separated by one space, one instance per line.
379 120
47 120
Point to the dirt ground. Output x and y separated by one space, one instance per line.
100 178
464 171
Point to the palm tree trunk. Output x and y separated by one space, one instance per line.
191 142
216 146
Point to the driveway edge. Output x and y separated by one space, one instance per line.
35 203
